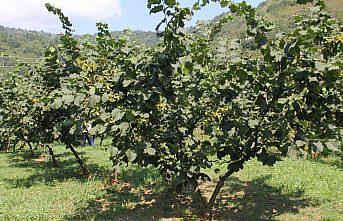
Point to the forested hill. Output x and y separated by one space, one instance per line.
22 43
30 44
281 13
25 44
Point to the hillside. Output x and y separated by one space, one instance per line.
281 13
23 44
28 45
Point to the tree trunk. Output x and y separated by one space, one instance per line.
102 140
51 153
6 144
232 168
31 149
216 191
79 160
202 201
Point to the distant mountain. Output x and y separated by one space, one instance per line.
24 44
281 13
27 45
147 37
30 45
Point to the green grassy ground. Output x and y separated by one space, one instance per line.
291 190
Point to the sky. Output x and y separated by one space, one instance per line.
119 14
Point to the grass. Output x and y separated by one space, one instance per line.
291 190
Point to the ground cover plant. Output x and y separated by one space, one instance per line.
32 189
195 101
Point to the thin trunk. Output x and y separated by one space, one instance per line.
31 149
216 191
79 160
102 140
232 168
51 153
202 201
7 144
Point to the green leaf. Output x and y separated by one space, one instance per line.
232 132
300 143
154 1
105 116
123 127
68 99
126 83
99 85
117 114
57 103
170 2
104 98
72 129
113 151
253 123
151 151
156 9
92 91
131 155
52 49
98 129
94 99
282 100
304 1
313 79
304 32
318 147
332 145
200 135
79 99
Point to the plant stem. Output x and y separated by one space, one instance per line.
31 149
79 160
102 139
216 191
232 168
51 152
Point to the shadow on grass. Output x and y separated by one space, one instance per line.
45 173
239 201
256 200
139 195
25 159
